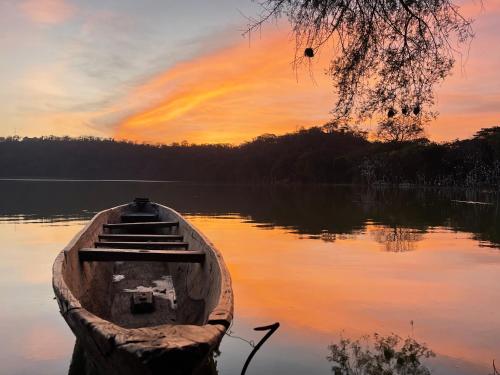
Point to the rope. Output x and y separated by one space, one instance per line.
231 334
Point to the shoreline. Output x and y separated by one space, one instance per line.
375 185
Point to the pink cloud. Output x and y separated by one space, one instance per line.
47 11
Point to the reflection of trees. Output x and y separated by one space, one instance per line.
307 210
397 239
379 355
328 237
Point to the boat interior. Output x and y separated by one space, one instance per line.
143 265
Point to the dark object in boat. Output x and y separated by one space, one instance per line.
142 302
309 52
161 308
141 203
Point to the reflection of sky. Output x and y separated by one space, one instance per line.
316 289
167 71
35 339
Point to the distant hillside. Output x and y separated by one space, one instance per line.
308 156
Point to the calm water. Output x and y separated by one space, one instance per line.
324 262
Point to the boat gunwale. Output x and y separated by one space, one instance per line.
79 318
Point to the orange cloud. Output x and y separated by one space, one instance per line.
234 94
231 95
47 11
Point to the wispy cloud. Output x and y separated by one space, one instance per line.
235 93
230 95
119 72
47 11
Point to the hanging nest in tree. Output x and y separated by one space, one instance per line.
405 110
309 52
416 110
391 112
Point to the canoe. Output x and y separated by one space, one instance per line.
144 291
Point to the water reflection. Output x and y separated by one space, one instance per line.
318 211
308 257
81 364
379 355
397 239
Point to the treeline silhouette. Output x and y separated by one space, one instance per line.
316 155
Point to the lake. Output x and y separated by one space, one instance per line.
325 262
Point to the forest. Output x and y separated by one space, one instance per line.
323 154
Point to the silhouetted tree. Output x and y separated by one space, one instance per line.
400 129
345 127
389 54
327 154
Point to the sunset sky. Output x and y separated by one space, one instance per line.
167 71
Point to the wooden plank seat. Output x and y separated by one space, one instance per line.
139 217
142 225
141 237
113 255
142 245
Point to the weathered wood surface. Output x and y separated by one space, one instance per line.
204 301
141 237
114 255
160 350
142 225
143 245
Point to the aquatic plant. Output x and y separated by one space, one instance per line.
379 355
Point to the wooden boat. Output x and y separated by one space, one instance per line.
144 291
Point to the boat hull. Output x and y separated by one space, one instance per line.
128 348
